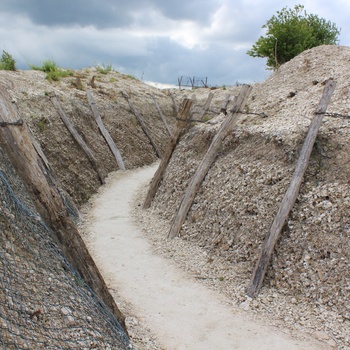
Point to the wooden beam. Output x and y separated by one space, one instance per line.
224 105
175 109
206 105
207 161
142 124
16 141
112 146
76 136
36 144
162 116
290 195
179 81
182 123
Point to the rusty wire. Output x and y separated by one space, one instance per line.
44 303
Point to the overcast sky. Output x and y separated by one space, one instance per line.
154 40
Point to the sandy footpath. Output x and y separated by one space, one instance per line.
181 313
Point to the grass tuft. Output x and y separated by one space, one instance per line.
53 72
7 62
102 69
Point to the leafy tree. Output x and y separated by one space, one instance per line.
7 62
291 32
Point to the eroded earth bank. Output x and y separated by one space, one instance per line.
307 286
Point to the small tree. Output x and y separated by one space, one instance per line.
291 32
7 62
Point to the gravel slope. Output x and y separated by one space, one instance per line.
307 284
182 313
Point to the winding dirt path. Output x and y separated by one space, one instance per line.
180 312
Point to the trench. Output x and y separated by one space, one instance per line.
179 311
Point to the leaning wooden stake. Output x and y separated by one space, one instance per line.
291 194
114 149
223 108
76 136
206 105
175 109
16 141
162 116
207 161
183 115
142 124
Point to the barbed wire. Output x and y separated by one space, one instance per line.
264 115
17 122
334 115
326 114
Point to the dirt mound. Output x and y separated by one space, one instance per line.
43 300
240 195
30 90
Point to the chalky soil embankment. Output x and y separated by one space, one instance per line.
180 312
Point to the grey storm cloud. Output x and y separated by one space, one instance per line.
158 40
106 13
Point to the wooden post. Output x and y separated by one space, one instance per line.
76 136
182 123
207 161
223 108
114 149
206 105
192 82
179 81
15 140
142 124
36 145
291 194
175 109
162 116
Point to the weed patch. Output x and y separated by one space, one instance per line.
102 69
7 62
53 72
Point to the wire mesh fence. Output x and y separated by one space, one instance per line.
44 304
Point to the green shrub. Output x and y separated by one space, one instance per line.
53 72
104 69
291 32
7 62
56 75
49 66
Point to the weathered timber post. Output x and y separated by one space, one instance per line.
34 141
207 161
290 195
206 105
76 136
38 150
16 141
224 105
142 124
183 115
175 109
114 149
192 80
179 81
162 116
